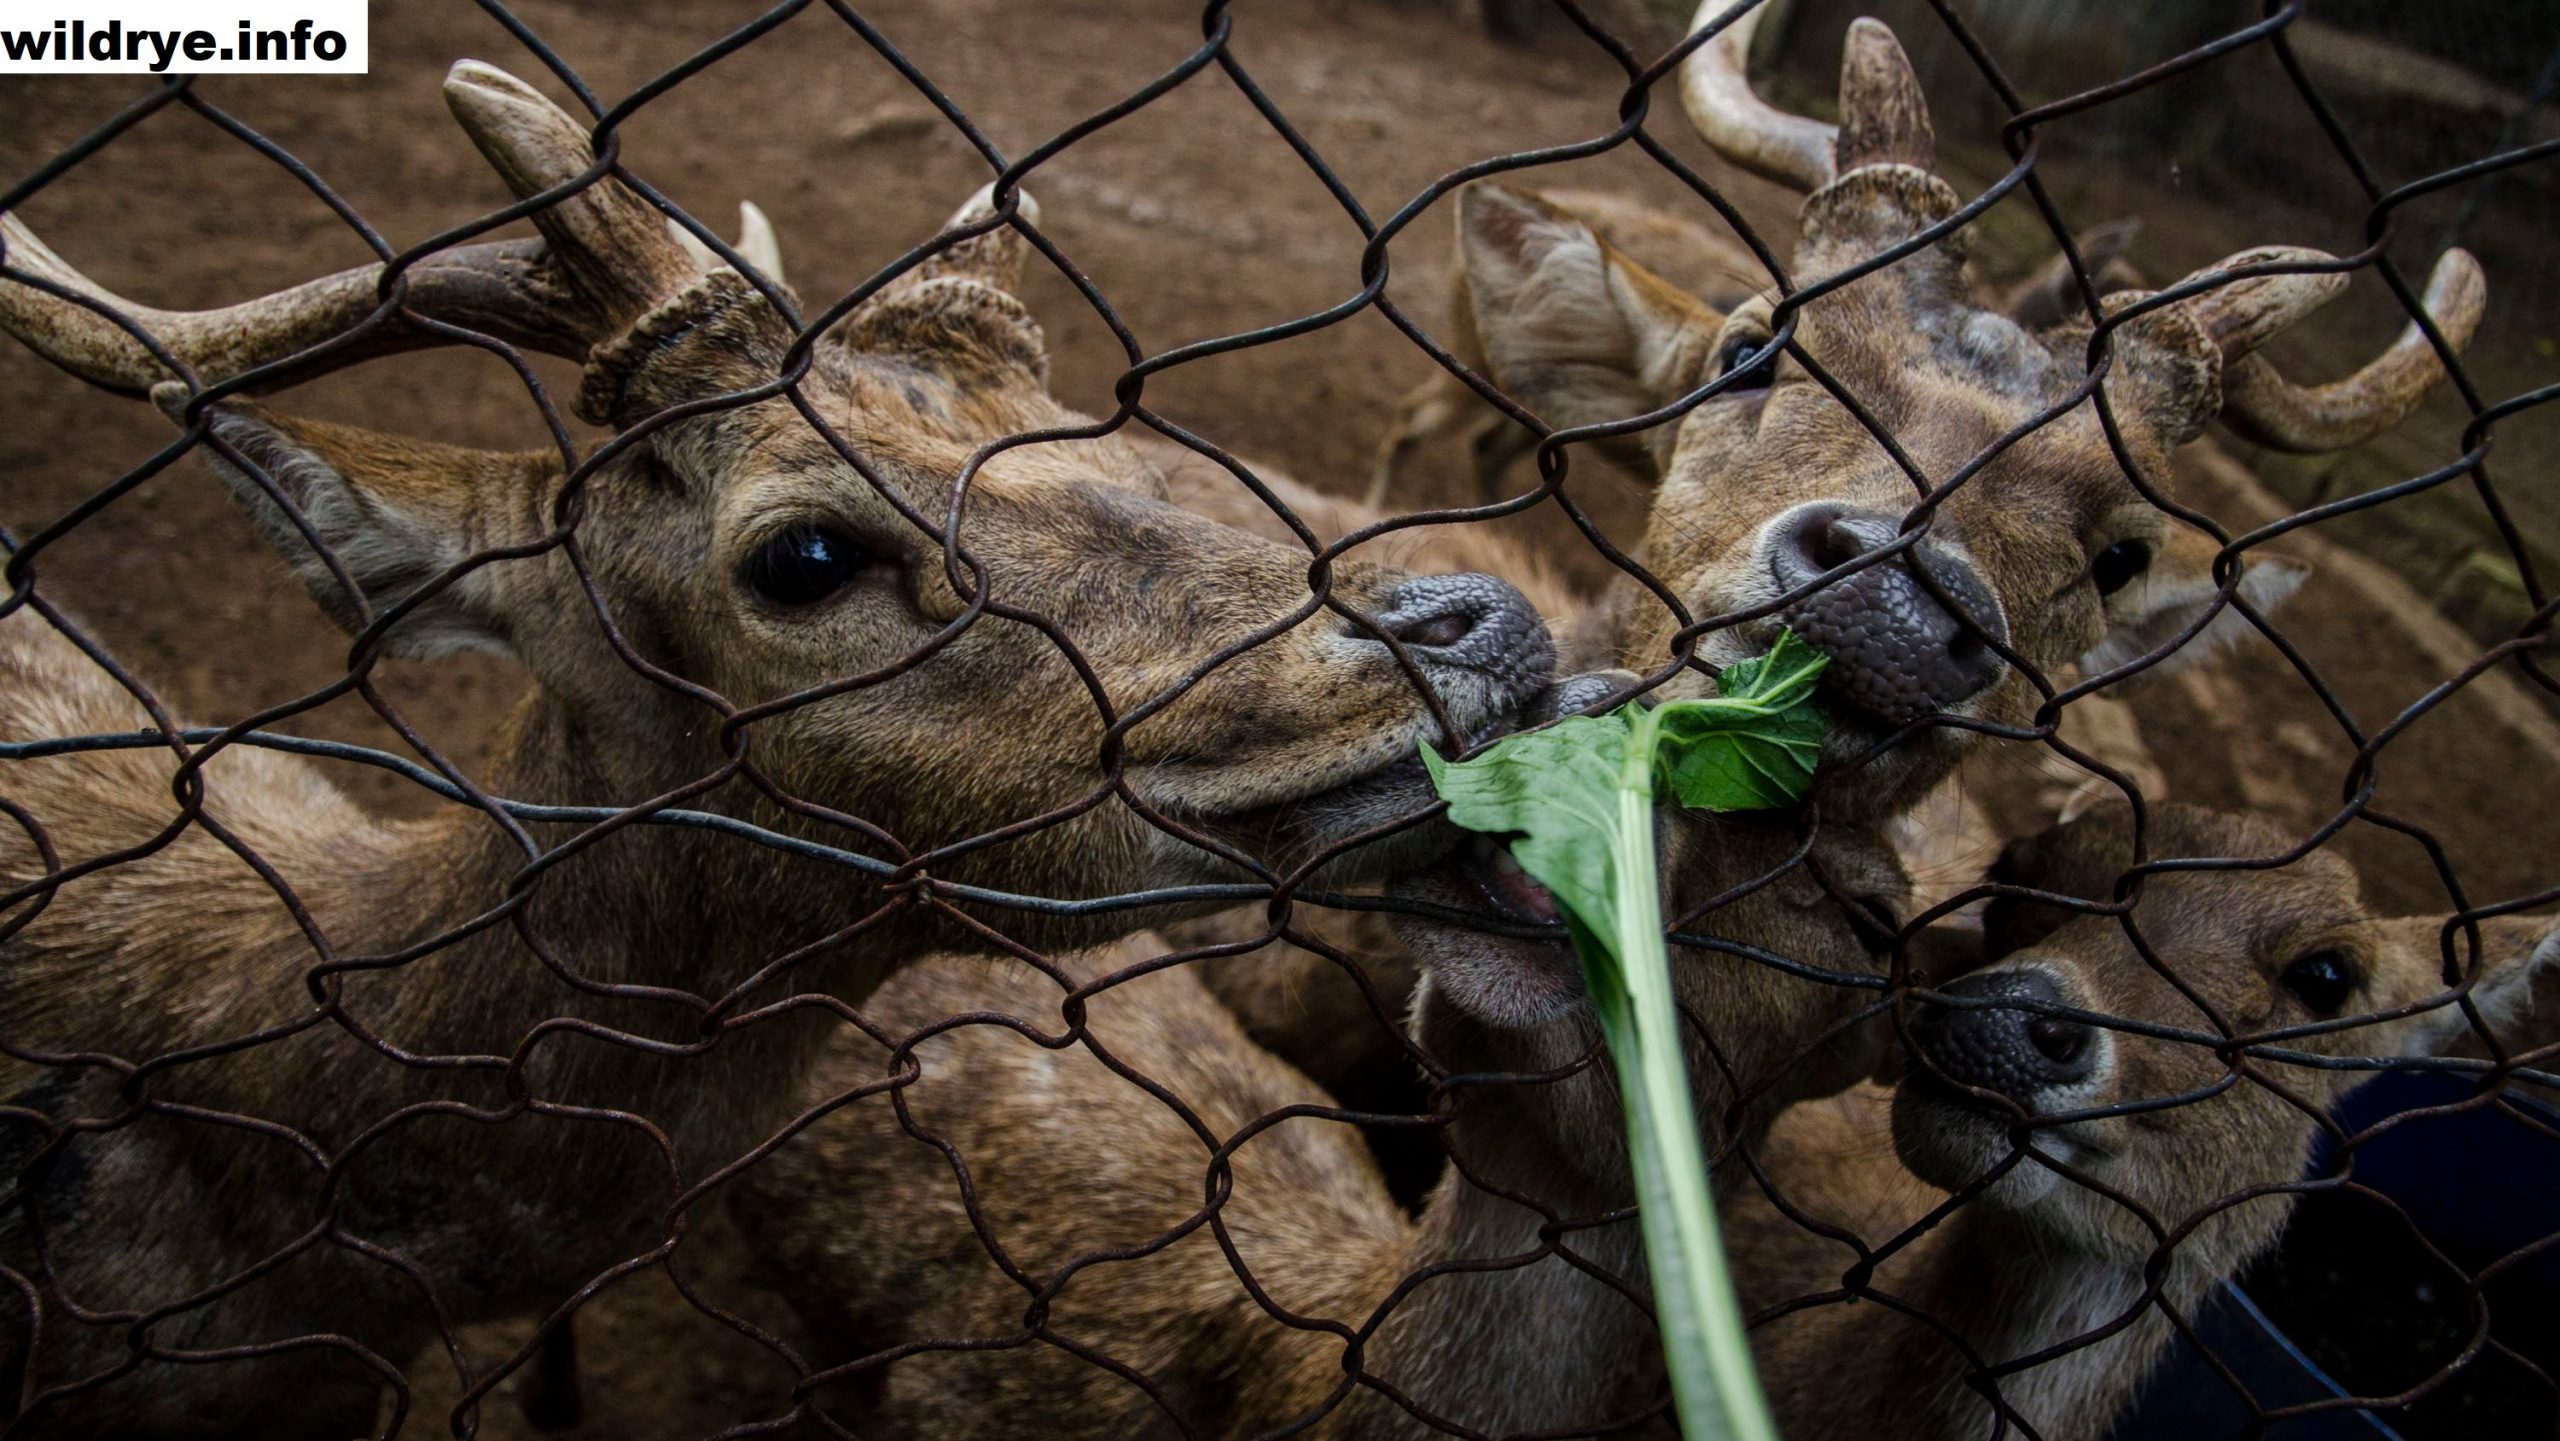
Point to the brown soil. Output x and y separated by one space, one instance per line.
1191 215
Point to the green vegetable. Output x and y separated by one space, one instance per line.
1578 799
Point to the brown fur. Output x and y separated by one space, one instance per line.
177 940
2039 1260
1581 333
1552 307
1102 1195
1070 1162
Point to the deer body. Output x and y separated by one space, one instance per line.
432 1071
1068 1159
1095 1191
2039 1261
374 888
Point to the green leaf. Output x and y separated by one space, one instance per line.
1781 678
1556 790
1577 799
1754 746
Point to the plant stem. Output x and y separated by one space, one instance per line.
1714 1385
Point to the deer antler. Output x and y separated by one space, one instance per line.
604 260
501 288
2243 314
1715 88
613 246
2210 340
995 257
1868 181
757 244
2259 403
1884 118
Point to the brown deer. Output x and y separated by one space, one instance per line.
1706 263
2128 1170
1115 1311
1776 504
1774 500
1086 1282
2058 545
259 1039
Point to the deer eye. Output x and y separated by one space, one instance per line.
1737 355
2118 565
802 566
2322 980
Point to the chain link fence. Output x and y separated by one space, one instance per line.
954 939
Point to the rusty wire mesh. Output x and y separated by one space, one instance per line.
75 1349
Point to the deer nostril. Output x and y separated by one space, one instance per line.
1898 652
2061 1042
1817 538
2005 1048
1576 693
1469 620
1830 545
1476 624
1437 632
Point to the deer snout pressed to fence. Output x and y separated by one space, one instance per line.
1897 652
1470 622
2018 1053
847 643
1576 693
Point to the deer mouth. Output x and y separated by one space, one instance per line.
1868 763
1490 936
1505 889
1381 810
1952 1138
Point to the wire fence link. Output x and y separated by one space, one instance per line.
882 700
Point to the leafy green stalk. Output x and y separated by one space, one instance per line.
1578 800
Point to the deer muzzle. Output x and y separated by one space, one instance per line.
1471 623
2030 1056
1899 653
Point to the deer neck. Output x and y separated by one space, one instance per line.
650 910
1536 1347
1506 1349
2008 1288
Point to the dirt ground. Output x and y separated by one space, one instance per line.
1191 215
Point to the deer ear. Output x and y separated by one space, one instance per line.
962 329
394 512
1573 330
2081 858
2518 993
2173 590
957 312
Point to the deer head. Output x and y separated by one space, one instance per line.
831 611
1790 942
2243 964
1779 506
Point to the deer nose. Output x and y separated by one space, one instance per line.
1573 693
1470 622
2015 1053
1898 654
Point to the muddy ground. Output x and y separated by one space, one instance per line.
1191 215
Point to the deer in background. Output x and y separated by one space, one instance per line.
1097 1266
2044 1255
369 996
1090 1186
1080 1178
1773 501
